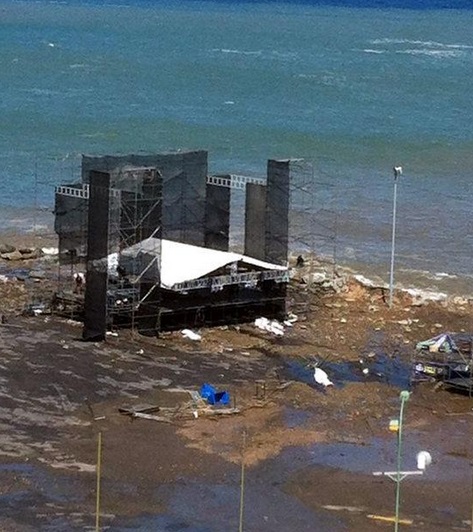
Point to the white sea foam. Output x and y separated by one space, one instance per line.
237 52
427 44
432 53
425 295
419 295
268 54
444 275
372 51
43 92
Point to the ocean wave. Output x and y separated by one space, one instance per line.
237 52
436 276
445 275
432 53
425 295
425 44
371 51
418 294
267 54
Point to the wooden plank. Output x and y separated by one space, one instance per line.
151 417
389 519
144 409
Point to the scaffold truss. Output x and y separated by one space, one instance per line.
219 281
234 181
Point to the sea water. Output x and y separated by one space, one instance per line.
354 90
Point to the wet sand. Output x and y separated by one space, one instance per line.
309 453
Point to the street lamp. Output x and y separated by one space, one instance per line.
423 459
404 396
397 172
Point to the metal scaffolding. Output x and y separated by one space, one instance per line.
123 201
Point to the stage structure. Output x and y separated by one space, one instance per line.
151 233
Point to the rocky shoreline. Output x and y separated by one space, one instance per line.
35 257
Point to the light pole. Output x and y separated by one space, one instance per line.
397 172
423 459
404 396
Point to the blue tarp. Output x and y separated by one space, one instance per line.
214 397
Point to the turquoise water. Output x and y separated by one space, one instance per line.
353 90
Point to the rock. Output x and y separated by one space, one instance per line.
404 322
14 255
7 248
460 301
422 297
319 277
21 276
37 274
29 253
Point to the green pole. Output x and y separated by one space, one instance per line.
404 396
242 482
99 473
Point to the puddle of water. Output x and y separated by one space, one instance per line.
381 368
45 491
201 507
198 507
380 454
163 523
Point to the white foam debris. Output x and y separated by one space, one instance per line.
369 283
191 335
272 326
420 297
50 251
319 277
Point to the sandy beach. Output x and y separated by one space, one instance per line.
308 452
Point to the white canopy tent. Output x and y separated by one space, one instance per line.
175 263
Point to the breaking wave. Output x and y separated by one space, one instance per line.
426 44
432 53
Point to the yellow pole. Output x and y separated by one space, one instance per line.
99 466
